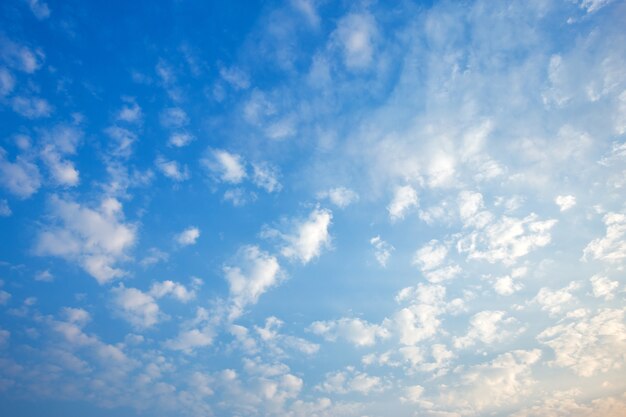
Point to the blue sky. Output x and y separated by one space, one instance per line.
313 208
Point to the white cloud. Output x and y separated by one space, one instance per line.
60 141
276 341
39 8
486 327
189 236
412 394
342 197
189 340
611 247
503 240
31 107
172 170
19 56
130 113
588 345
555 301
225 166
382 250
173 117
504 381
138 308
506 285
404 199
565 202
176 290
309 237
430 256
238 196
255 273
592 6
356 34
122 141
266 176
5 210
353 330
420 320
603 287
344 382
95 238
7 82
180 139
569 404
237 78
4 297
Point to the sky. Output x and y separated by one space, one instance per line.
313 208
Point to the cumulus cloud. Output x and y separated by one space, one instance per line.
180 139
404 199
356 35
130 113
342 197
382 250
308 237
5 210
96 238
225 166
39 8
588 345
60 141
350 380
138 308
7 82
122 141
255 272
487 327
603 287
565 202
172 169
612 247
189 236
31 107
499 240
556 301
21 177
173 117
266 176
505 380
353 330
174 289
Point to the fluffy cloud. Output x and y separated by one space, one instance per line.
555 301
486 327
404 199
350 380
353 330
20 177
138 308
430 256
603 287
266 176
342 197
356 35
503 381
176 290
565 202
172 169
180 139
31 107
382 250
308 237
255 273
588 345
60 141
95 238
225 166
499 240
189 236
39 8
174 117
611 247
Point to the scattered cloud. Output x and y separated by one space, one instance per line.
189 236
